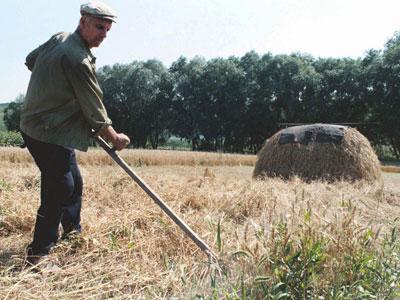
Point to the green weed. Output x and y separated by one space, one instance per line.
305 267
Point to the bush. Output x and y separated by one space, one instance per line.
11 138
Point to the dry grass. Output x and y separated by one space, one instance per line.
131 250
97 157
391 169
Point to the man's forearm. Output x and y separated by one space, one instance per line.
108 133
119 140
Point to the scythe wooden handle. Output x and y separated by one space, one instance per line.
157 199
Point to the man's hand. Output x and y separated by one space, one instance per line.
119 140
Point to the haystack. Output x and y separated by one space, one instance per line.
318 152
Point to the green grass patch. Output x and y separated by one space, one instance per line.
11 139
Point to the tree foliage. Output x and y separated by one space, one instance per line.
234 104
12 114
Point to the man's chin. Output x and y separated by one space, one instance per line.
96 44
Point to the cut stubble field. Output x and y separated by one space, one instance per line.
263 231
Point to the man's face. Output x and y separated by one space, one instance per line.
94 30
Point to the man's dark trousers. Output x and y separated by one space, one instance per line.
61 194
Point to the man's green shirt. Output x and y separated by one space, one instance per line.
64 102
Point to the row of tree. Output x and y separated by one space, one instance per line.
234 104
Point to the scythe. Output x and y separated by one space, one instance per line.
157 199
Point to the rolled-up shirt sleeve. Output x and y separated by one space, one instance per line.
88 93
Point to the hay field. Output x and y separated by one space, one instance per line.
284 239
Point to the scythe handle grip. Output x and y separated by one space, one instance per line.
106 146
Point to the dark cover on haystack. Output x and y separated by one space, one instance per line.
318 152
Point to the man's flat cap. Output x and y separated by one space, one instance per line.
99 10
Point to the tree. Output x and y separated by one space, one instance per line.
260 120
341 90
221 105
373 90
389 105
133 98
12 114
158 108
187 90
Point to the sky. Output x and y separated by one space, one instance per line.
168 29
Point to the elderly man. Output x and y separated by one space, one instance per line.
63 108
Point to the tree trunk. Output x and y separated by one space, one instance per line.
396 147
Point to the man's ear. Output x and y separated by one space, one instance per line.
84 19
